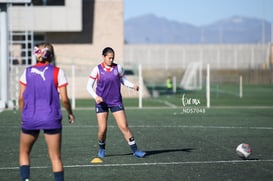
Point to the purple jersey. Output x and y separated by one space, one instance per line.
108 85
41 99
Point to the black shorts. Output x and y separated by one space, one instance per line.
100 108
46 131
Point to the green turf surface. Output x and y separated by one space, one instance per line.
227 95
180 145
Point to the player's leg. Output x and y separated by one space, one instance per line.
102 125
120 118
53 139
102 131
27 139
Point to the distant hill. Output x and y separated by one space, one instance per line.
150 29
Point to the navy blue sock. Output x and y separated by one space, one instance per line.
24 171
102 144
132 144
59 176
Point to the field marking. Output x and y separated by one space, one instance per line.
175 107
163 126
167 103
204 127
169 106
147 164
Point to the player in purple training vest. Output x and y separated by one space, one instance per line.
109 76
40 106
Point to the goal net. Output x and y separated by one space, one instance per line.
226 84
192 78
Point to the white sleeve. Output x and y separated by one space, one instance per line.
94 73
123 79
91 82
62 78
90 87
23 78
126 82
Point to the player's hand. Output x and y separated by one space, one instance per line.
71 118
136 87
99 100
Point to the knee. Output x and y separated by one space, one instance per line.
124 129
102 131
55 157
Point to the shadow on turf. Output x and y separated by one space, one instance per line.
122 154
154 152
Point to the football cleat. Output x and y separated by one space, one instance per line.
101 153
139 154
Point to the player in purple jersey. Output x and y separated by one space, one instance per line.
109 76
40 106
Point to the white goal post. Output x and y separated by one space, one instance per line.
238 85
208 86
4 52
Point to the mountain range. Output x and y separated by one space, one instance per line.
151 29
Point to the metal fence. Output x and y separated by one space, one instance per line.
242 56
166 57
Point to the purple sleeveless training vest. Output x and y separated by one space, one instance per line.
108 86
41 99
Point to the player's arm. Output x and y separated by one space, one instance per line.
66 103
90 87
129 84
23 84
62 85
125 81
21 99
91 83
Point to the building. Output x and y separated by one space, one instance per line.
78 29
82 27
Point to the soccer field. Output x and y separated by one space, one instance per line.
182 142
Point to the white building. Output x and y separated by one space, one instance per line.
79 29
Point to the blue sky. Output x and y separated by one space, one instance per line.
199 12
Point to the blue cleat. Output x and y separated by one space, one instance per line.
101 153
139 154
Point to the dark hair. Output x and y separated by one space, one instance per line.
107 50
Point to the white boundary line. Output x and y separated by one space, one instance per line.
164 126
173 106
167 103
170 106
148 164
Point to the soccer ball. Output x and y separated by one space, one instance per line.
243 150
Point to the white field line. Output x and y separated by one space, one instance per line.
175 107
169 106
167 103
181 126
149 164
164 126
